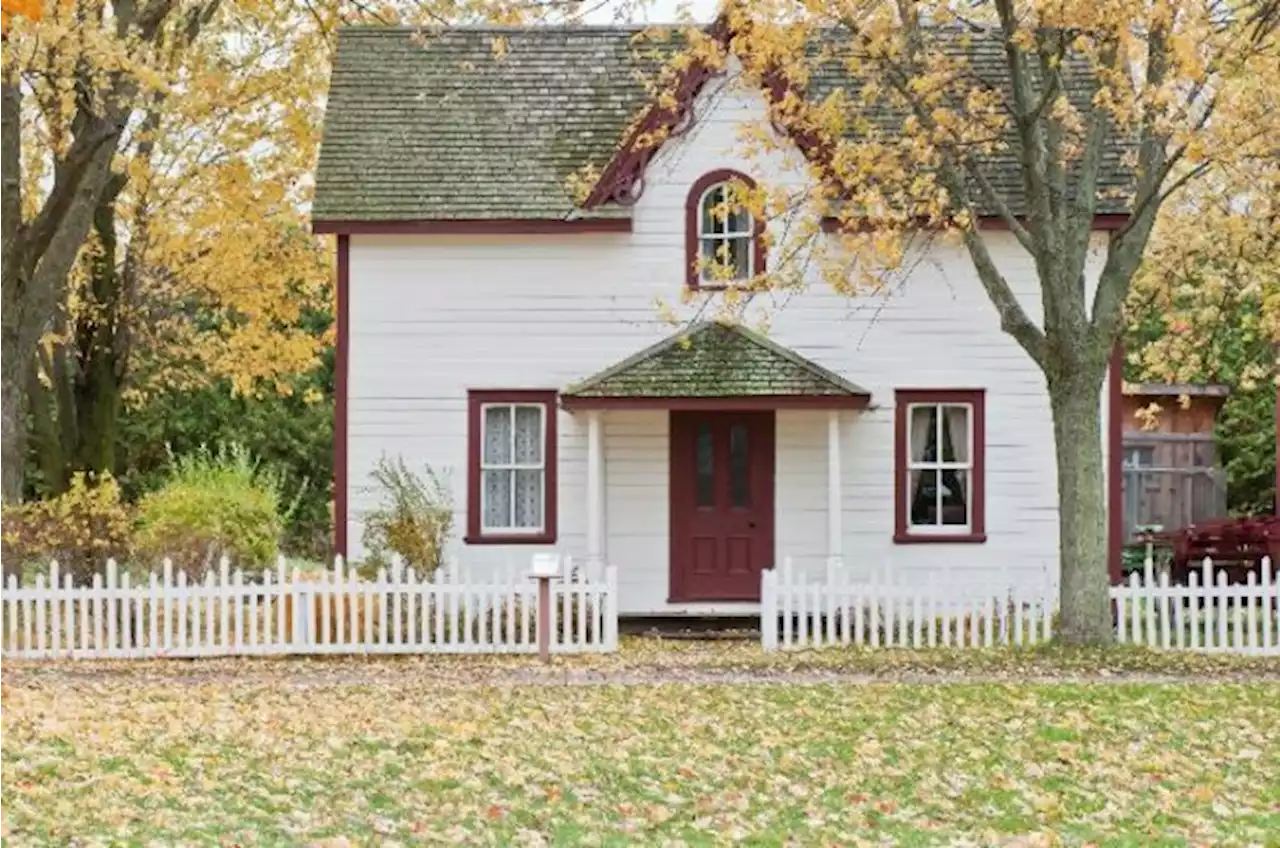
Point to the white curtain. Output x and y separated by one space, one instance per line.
528 435
497 498
513 436
497 435
922 432
957 424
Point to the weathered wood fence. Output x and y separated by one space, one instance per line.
278 611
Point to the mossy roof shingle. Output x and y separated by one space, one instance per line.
714 360
435 126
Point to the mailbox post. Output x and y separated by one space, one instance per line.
543 568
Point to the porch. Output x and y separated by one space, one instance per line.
704 456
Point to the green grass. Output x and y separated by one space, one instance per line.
292 752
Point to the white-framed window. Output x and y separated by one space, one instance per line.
940 467
726 235
513 468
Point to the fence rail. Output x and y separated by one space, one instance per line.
838 608
280 612
888 611
1207 614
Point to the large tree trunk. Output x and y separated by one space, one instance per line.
13 448
46 440
1074 396
100 366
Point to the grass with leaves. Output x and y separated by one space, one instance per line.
460 751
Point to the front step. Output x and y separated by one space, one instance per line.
725 628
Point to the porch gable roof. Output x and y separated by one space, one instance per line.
712 364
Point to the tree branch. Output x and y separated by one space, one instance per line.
1078 225
1031 142
10 168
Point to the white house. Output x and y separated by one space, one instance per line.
496 331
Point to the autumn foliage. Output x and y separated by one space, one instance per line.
80 528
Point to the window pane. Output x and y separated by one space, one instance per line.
497 498
497 435
706 466
528 434
740 258
528 499
955 434
955 497
924 497
708 258
710 200
739 220
739 466
924 434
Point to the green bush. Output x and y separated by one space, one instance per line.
80 528
214 505
413 520
290 434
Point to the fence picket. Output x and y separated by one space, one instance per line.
166 582
68 609
974 622
68 612
1269 603
1251 641
1222 612
333 613
1179 601
11 613
83 593
1193 609
412 593
1207 614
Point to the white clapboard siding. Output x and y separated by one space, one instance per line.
895 610
277 612
1206 615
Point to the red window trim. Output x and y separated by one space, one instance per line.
476 398
903 398
691 248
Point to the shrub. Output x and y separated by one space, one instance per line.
80 528
213 505
413 520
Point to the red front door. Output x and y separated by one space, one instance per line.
721 504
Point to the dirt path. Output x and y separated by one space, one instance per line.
316 675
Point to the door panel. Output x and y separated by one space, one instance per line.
722 474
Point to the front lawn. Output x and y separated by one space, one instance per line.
281 756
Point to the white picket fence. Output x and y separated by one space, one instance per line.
278 612
1207 614
799 611
893 610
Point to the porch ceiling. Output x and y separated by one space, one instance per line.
712 365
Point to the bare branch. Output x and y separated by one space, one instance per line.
997 202
1031 142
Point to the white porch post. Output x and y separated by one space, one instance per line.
835 529
595 490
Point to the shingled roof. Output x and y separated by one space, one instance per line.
441 129
435 127
715 360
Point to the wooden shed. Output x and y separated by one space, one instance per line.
1171 471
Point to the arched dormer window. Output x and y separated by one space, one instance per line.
723 244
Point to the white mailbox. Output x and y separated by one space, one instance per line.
545 565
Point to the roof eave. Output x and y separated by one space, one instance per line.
474 226
735 403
